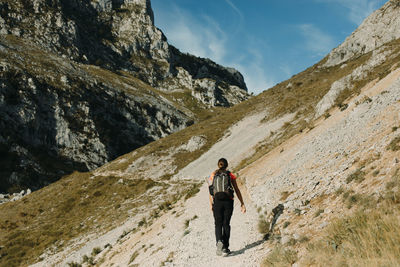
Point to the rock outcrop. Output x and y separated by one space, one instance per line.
83 82
59 116
379 28
117 34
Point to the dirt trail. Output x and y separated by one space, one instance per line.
171 243
185 236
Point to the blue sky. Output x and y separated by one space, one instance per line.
268 41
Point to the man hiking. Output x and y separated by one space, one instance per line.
221 185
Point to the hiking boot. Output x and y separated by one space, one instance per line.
219 248
226 251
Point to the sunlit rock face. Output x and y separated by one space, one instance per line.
379 28
74 86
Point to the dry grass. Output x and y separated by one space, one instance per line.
368 237
285 195
263 225
362 239
394 144
280 257
69 208
357 176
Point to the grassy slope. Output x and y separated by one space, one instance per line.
366 233
77 205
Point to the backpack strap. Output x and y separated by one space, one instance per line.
230 179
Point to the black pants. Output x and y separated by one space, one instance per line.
222 216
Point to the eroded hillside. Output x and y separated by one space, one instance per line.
317 155
83 82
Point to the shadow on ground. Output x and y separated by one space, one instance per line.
249 246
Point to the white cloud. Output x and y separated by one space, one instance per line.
255 77
254 70
316 40
358 9
203 36
239 14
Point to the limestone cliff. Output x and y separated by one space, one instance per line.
377 29
83 82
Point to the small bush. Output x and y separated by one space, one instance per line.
194 189
123 234
303 239
263 226
394 144
286 224
357 176
285 195
85 258
187 223
319 212
297 211
96 251
280 256
365 201
142 222
133 257
339 191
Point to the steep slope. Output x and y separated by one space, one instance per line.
150 207
378 29
83 82
119 35
60 116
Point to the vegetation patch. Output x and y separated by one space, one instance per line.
285 195
280 256
357 176
133 257
319 212
31 225
263 226
193 190
362 239
394 144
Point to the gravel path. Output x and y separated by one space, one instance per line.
187 239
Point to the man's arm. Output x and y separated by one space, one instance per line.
211 202
242 206
209 195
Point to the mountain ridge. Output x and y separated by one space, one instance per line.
97 105
330 172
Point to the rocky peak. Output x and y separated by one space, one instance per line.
117 35
381 27
85 81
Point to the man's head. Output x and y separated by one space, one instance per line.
222 164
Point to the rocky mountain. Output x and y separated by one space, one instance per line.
83 82
379 28
319 171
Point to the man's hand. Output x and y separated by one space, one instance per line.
243 208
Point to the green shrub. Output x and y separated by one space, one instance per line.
96 251
263 226
319 212
280 256
358 176
394 144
